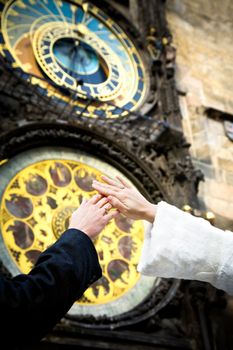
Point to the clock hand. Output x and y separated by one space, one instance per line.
73 69
84 68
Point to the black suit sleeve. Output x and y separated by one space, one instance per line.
31 304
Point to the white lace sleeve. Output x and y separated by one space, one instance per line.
180 245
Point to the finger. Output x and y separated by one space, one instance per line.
102 201
116 184
116 203
84 200
95 198
103 189
107 206
106 186
111 215
109 181
123 182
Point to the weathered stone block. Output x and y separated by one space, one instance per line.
229 178
225 164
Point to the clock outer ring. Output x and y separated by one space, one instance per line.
134 295
90 141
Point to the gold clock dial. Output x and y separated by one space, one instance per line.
77 47
44 188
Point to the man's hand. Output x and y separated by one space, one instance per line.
92 216
126 199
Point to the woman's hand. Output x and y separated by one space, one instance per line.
129 201
92 215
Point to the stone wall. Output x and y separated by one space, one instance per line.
202 35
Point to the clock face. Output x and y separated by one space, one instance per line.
77 47
39 190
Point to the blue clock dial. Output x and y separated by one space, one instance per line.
80 61
77 47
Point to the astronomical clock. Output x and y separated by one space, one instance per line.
74 46
87 88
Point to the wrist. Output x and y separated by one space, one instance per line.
85 230
150 212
